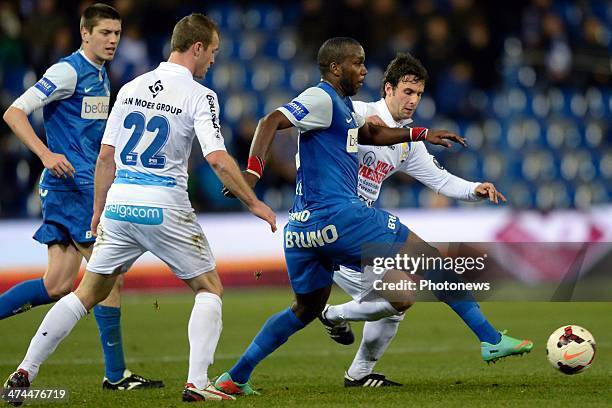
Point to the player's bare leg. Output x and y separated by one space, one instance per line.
64 262
204 329
58 280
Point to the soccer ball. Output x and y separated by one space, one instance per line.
571 349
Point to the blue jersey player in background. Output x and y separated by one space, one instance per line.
74 94
329 224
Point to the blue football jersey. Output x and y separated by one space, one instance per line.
327 158
75 123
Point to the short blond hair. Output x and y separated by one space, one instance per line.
191 29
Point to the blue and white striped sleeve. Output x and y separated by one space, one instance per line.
58 82
312 109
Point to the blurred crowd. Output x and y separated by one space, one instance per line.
528 82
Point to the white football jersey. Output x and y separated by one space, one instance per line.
152 126
377 163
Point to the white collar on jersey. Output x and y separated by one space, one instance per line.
177 68
383 109
98 66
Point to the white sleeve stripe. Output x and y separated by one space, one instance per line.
29 101
61 76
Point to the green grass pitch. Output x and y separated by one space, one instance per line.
434 355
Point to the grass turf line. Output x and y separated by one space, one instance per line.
434 355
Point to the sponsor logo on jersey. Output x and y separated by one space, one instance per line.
311 239
156 88
136 214
95 107
45 86
352 139
298 110
369 159
213 112
375 173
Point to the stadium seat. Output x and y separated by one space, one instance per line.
552 195
238 105
590 194
494 166
281 46
250 44
229 75
595 102
266 75
474 135
521 195
595 133
578 105
303 76
605 165
540 105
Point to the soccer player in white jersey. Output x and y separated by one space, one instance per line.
141 202
328 224
402 87
74 95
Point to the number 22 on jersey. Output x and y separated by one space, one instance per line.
150 157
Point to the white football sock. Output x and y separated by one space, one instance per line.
56 325
376 338
366 310
204 330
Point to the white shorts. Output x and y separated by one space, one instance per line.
356 284
174 236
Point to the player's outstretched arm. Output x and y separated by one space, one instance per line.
372 134
228 172
103 179
56 163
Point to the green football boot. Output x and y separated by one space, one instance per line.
225 384
507 346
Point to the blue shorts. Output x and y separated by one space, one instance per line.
66 217
314 248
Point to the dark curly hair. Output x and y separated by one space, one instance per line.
402 65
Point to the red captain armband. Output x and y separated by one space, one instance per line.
256 166
418 134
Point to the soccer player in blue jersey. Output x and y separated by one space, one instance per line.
329 224
74 94
403 85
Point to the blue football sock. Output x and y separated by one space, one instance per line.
272 335
22 296
470 312
464 304
109 326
